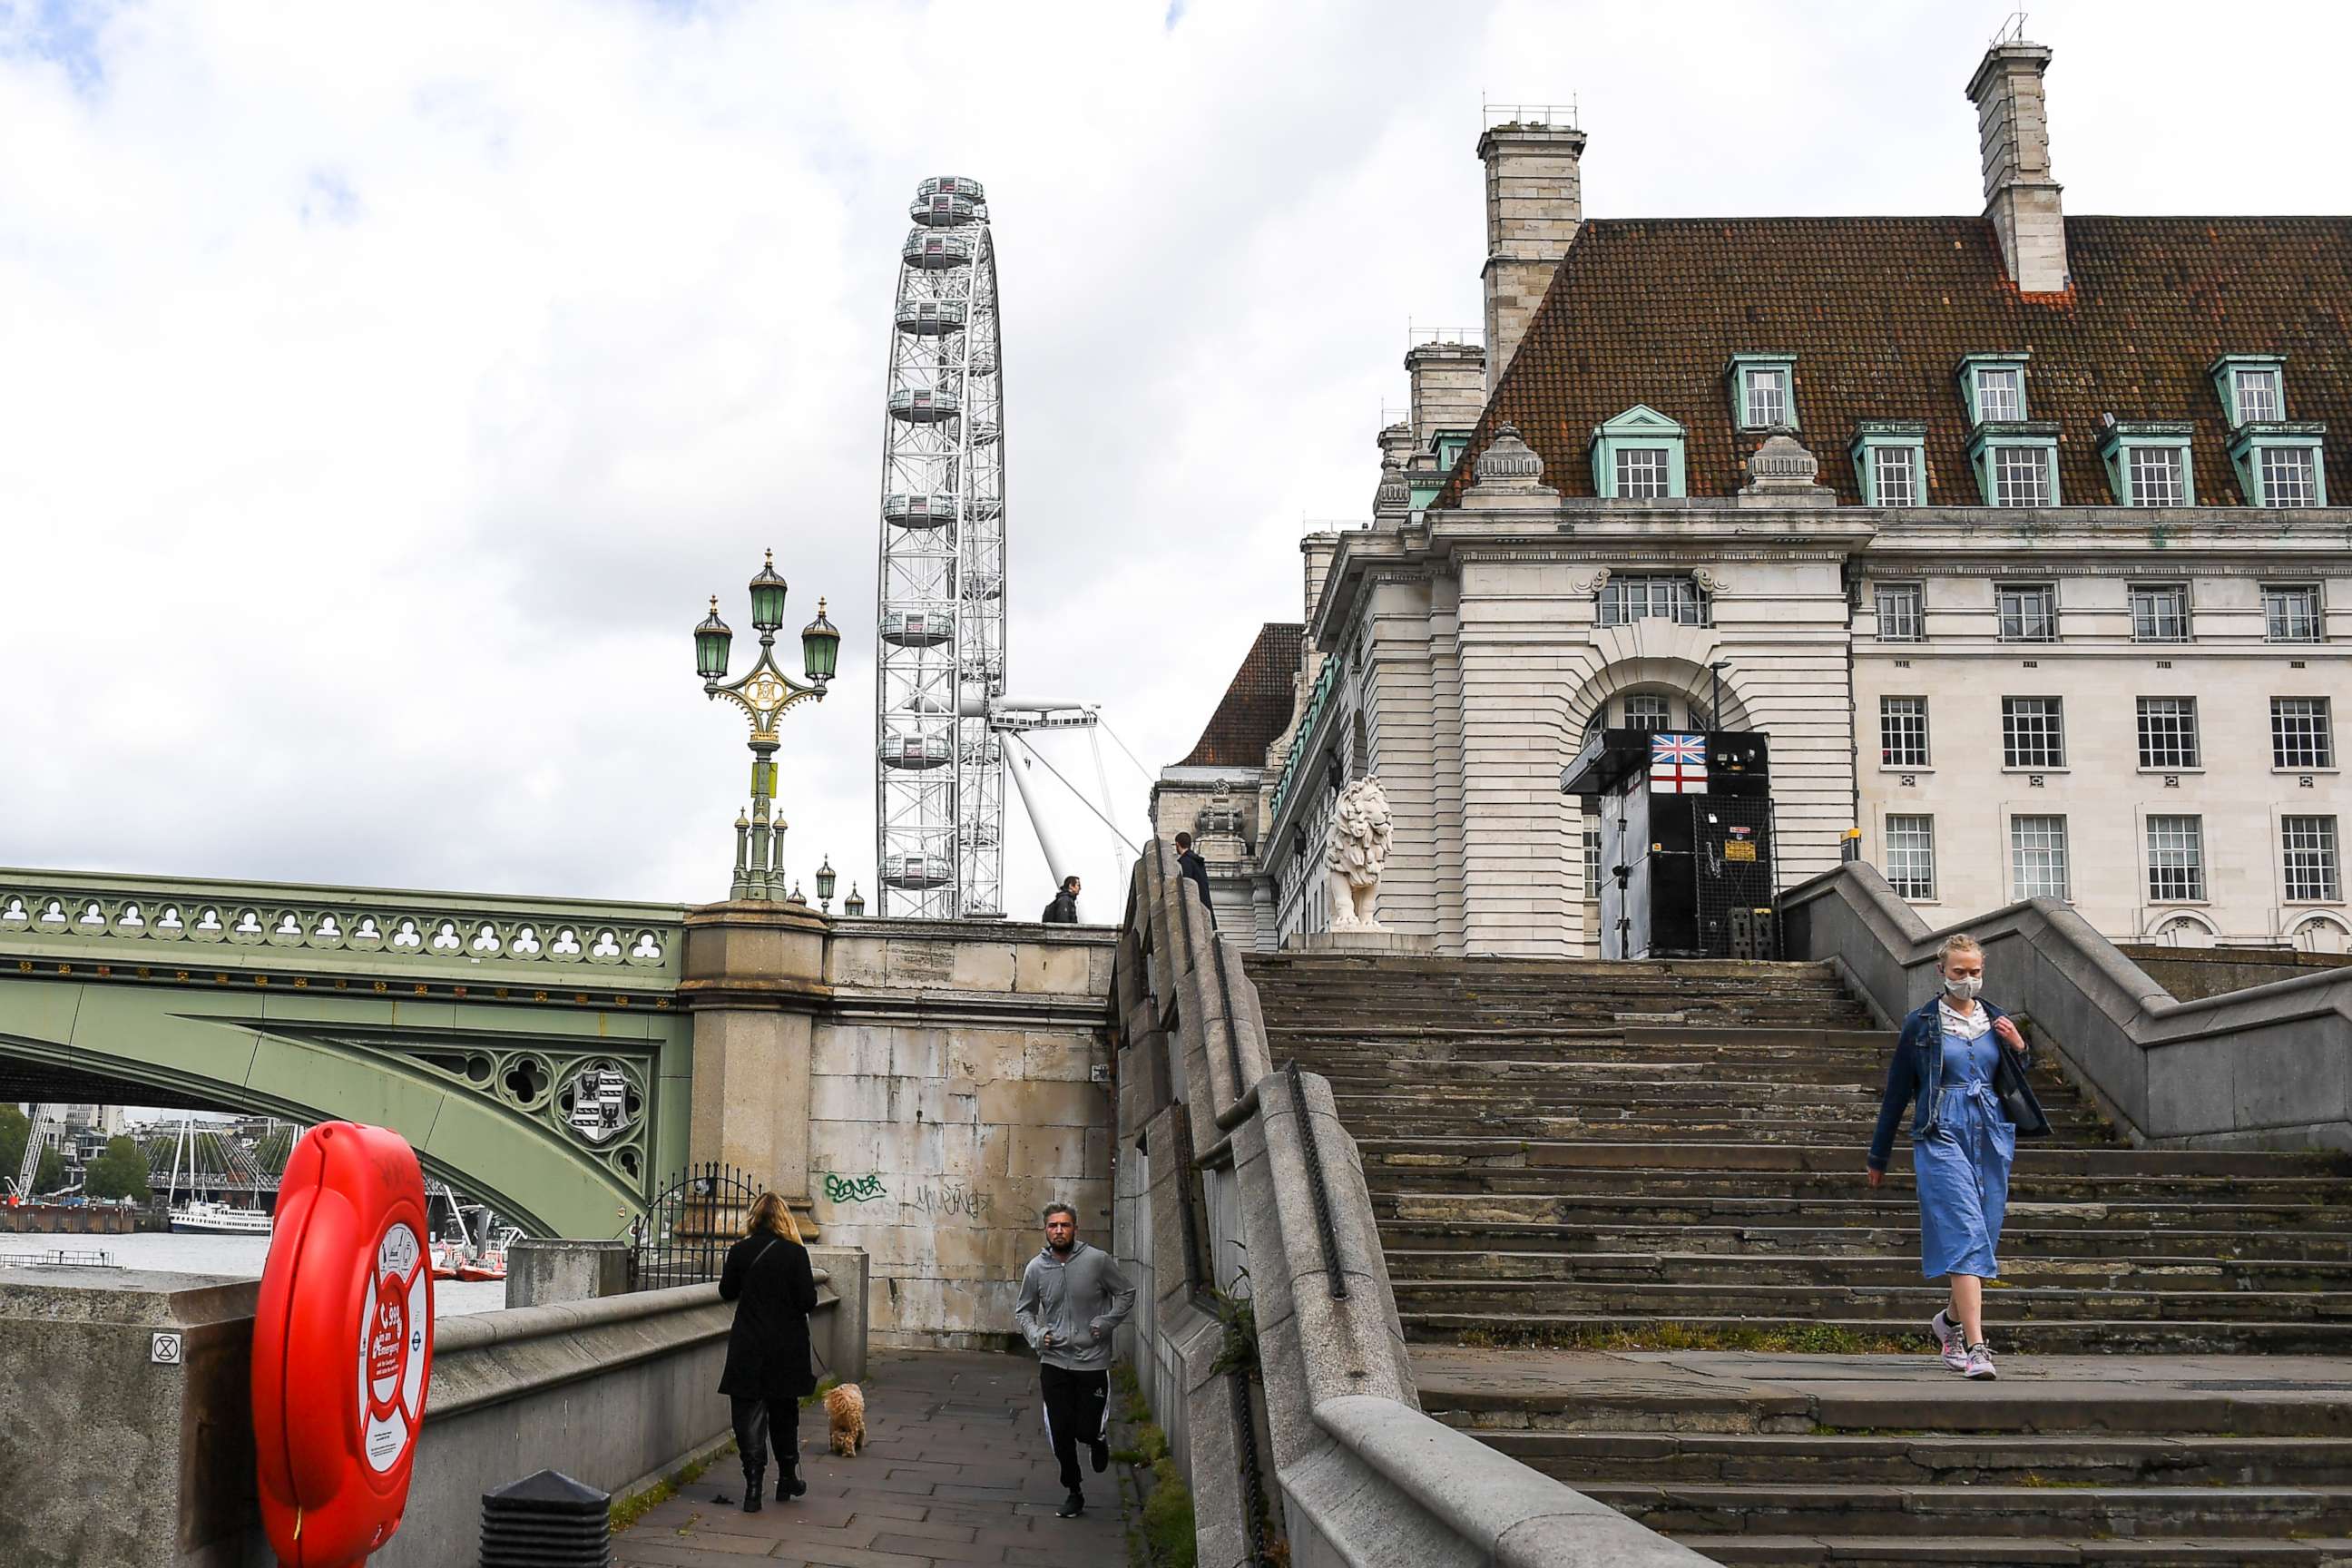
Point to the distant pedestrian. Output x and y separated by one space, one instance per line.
1064 909
1964 1062
1073 1300
1196 871
767 1277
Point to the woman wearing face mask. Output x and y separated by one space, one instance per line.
1964 1062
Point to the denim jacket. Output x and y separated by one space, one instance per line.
1917 1073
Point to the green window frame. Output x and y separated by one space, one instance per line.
1973 386
1640 427
1994 448
2226 387
2254 481
2127 479
1742 368
1450 446
1872 437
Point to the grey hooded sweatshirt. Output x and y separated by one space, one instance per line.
1080 1299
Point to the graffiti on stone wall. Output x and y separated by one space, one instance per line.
944 1200
840 1189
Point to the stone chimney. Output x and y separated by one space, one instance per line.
1535 200
1392 497
1449 390
2013 134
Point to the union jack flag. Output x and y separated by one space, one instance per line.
1678 764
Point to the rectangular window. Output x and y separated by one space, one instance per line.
2309 847
2021 476
1767 398
1903 731
2167 733
2029 612
2300 736
2258 396
2033 732
1999 396
2290 475
2159 612
1911 857
1894 476
1901 616
1643 473
1591 857
2175 859
1625 600
2159 476
2291 611
2037 857
1647 710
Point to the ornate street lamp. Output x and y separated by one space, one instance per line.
853 906
766 694
826 882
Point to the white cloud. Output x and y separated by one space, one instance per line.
385 389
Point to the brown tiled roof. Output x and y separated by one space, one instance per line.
1256 706
1878 313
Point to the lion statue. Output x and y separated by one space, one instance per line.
1359 849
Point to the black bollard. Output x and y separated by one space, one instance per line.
547 1520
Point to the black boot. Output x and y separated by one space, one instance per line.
789 1483
751 1491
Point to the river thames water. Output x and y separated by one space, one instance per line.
239 1257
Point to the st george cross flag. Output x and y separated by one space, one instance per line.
1678 764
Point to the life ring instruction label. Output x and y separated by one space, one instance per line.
395 1322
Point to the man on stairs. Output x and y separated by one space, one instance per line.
1073 1300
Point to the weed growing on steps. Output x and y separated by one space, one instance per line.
1166 1535
1806 1339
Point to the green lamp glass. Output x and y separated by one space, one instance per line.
821 647
768 591
825 881
853 906
710 643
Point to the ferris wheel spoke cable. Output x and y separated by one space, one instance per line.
1040 758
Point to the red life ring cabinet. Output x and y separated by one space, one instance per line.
342 1345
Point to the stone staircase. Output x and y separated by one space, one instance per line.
1623 1210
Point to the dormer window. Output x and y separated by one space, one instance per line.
1450 447
1890 462
2016 464
1638 456
2252 388
1763 391
2147 463
1993 386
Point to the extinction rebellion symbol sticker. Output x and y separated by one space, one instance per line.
392 1327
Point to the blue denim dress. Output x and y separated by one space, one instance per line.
1962 1167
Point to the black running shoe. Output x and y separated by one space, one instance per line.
1072 1506
1101 1457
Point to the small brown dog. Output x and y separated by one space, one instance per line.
846 1407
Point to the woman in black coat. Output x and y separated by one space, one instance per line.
767 1277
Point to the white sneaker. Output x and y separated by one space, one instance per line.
1979 1364
1948 1342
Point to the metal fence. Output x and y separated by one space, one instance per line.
683 1237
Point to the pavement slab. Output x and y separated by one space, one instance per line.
956 1474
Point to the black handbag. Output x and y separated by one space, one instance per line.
2016 1096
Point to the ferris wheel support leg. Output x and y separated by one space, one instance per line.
1017 760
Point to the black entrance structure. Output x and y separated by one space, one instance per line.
1686 841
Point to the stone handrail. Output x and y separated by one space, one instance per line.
2267 1067
1246 1168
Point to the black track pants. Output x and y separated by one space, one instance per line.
756 1420
1077 1410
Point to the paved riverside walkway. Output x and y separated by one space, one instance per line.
956 1472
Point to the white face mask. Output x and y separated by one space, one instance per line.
1964 988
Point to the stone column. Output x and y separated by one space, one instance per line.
754 982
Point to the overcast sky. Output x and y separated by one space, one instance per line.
384 390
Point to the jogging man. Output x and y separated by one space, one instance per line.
1073 1300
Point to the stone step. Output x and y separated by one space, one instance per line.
1769 1124
1644 1326
1987 1510
1658 1183
2033 1157
2154 1298
1596 1215
1845 1550
1402 1238
1996 1460
2023 1269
